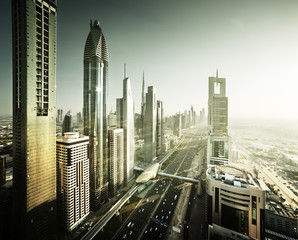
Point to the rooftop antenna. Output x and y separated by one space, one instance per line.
90 23
217 76
124 70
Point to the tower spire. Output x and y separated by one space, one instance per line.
143 90
124 70
217 75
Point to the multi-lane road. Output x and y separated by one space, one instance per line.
152 218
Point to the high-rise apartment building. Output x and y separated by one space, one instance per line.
219 145
96 62
67 123
34 28
72 180
116 163
150 122
125 120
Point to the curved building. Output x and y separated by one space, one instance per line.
96 63
236 200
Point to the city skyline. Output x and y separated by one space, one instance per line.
252 45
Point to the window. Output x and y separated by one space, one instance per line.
254 209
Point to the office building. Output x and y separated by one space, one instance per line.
112 120
150 122
116 162
72 180
96 63
125 120
236 200
219 143
60 116
143 105
177 125
67 123
281 222
2 170
34 28
159 128
79 118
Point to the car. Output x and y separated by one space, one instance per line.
125 235
130 232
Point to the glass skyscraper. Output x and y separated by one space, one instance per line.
34 118
95 120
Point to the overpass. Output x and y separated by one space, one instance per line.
153 170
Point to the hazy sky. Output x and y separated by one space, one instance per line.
178 44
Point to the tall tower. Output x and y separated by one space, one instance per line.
159 128
72 180
34 118
143 104
115 153
96 63
125 120
150 125
219 146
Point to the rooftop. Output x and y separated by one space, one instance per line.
236 177
71 137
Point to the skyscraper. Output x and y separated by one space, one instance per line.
125 120
34 118
177 125
150 125
219 146
159 128
143 105
116 164
96 63
60 116
2 170
67 123
72 180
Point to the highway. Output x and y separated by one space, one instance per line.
151 219
103 221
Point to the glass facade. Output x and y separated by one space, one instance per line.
234 219
34 118
94 107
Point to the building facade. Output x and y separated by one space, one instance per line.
67 123
72 180
116 161
96 62
177 125
125 120
2 170
34 30
236 200
150 125
159 128
219 143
